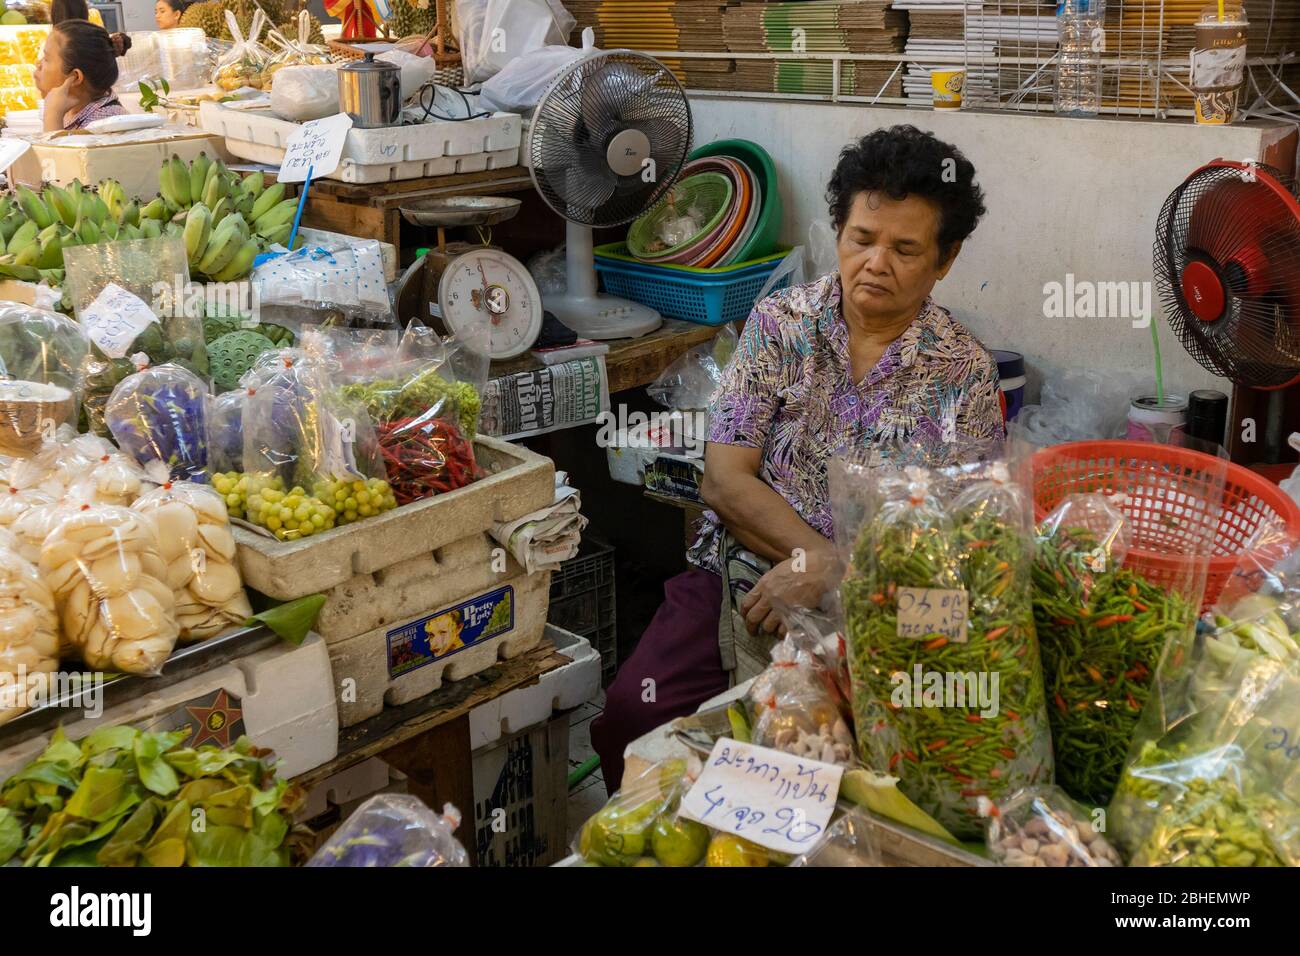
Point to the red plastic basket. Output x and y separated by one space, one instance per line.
1171 505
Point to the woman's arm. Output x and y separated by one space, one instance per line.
755 514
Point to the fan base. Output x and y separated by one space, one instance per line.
603 316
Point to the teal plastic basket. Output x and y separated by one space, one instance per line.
704 296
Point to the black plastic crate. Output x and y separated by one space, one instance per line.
583 601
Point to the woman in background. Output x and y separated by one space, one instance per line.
76 74
61 10
167 13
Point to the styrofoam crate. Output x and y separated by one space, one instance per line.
394 665
518 481
281 697
561 689
378 155
349 784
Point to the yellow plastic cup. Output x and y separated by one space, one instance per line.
947 86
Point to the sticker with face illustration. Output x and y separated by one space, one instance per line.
436 636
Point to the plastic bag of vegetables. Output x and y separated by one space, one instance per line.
109 583
41 354
849 841
1213 778
1042 826
947 687
29 632
794 705
395 829
198 552
1102 627
159 416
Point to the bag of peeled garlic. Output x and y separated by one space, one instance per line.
109 582
198 552
795 706
29 633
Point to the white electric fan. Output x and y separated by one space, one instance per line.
609 137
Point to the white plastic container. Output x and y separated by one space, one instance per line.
436 148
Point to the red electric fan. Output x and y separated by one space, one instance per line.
1227 264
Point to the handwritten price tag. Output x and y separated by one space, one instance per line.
771 798
924 612
317 146
115 319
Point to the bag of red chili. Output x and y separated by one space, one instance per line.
425 423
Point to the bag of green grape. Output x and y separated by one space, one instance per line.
310 457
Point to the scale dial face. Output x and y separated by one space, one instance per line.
490 301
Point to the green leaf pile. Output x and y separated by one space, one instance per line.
125 797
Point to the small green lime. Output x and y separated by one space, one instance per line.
677 841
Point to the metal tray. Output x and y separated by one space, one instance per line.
185 662
460 211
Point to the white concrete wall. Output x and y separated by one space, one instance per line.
1064 195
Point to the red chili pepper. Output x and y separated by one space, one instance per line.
1140 606
911 756
934 745
997 632
878 598
1110 619
962 778
972 793
1093 672
973 718
1064 621
1131 702
1007 752
972 742
893 761
935 644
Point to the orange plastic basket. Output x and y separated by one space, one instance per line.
1172 495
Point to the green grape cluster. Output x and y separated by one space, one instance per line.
288 515
234 487
354 500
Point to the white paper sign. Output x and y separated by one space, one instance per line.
115 319
10 150
771 798
925 612
317 146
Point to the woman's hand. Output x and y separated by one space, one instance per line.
800 581
56 104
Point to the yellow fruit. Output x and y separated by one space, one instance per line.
646 861
726 849
678 841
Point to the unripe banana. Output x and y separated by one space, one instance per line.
88 232
221 210
34 208
51 256
199 174
111 230
60 202
267 200
23 235
198 227
150 229
155 209
215 190
253 183
28 254
221 249
130 213
240 264
181 182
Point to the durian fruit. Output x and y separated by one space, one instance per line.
290 30
411 17
208 16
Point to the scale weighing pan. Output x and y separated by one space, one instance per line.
461 211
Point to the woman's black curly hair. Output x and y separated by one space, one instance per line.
903 161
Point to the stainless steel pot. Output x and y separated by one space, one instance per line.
370 91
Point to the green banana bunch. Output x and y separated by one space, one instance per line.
241 264
22 236
34 208
130 214
280 215
51 256
113 195
88 232
174 182
151 229
221 210
223 245
217 186
12 220
253 183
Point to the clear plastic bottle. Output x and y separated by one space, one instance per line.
1078 69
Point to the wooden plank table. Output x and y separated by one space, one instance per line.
428 738
631 363
371 210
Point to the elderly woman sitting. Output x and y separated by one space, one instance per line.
860 360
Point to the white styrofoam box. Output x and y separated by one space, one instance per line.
283 695
394 664
626 463
437 148
130 158
561 689
519 481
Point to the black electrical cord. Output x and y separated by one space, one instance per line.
429 92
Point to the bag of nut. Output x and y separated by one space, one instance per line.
1042 826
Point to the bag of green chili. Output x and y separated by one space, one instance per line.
1102 627
1213 777
947 687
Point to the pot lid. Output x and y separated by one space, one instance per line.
371 65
